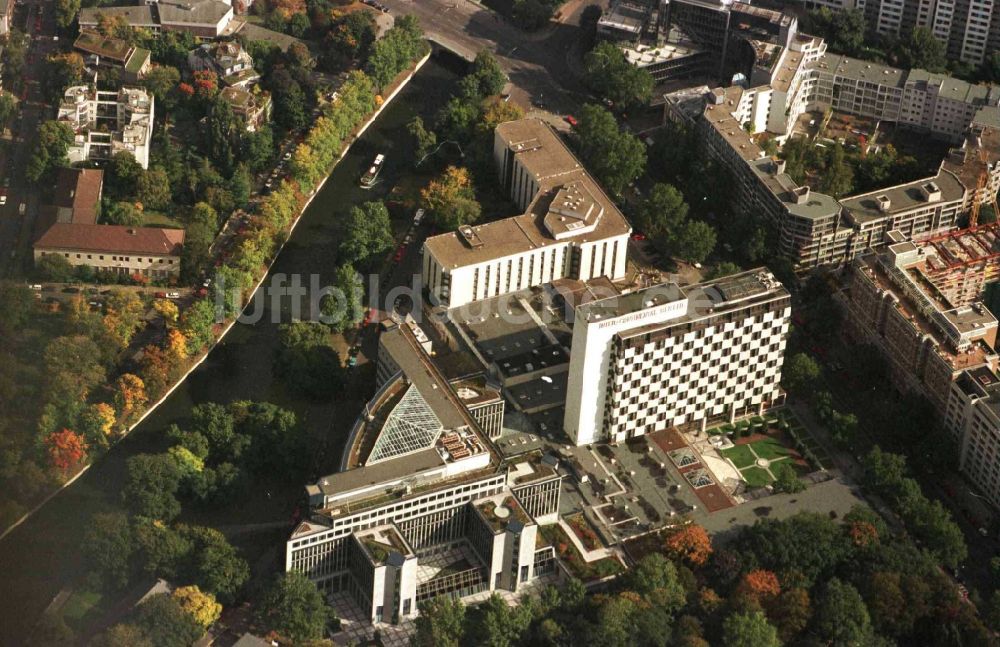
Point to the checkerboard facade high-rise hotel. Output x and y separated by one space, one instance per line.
670 356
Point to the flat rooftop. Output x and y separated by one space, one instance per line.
553 166
903 197
703 299
859 70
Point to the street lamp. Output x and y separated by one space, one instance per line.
450 141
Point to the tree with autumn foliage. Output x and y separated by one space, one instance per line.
130 394
97 423
167 309
176 347
65 450
154 370
690 544
759 586
200 605
451 199
123 317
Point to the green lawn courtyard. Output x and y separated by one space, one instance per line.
764 443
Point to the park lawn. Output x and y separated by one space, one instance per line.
82 607
756 477
770 449
740 455
160 219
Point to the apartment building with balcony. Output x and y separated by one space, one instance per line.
106 123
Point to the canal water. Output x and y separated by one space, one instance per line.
41 557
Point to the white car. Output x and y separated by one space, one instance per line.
173 295
3 199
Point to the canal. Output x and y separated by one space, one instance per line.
41 557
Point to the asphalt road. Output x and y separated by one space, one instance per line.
15 229
541 65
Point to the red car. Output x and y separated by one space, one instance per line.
571 120
638 236
399 254
160 295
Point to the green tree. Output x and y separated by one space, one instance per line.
800 373
615 157
496 623
451 199
224 131
921 50
162 550
108 547
151 485
655 579
695 241
162 81
607 72
51 149
532 14
306 360
488 75
18 305
213 564
838 176
54 267
368 232
425 140
60 71
66 11
122 176
122 635
162 619
723 269
153 189
841 617
197 323
257 148
807 543
663 213
749 630
844 31
8 108
202 227
785 478
122 213
440 623
293 607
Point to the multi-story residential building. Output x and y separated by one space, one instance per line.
151 252
570 228
972 418
206 19
228 60
133 62
668 356
908 301
252 107
970 29
422 485
107 123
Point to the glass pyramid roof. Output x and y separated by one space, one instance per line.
410 427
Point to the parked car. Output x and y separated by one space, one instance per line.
160 295
173 295
571 120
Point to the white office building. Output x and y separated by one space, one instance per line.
570 228
424 504
669 356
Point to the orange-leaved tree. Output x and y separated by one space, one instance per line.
66 449
691 544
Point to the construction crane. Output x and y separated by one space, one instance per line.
983 185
